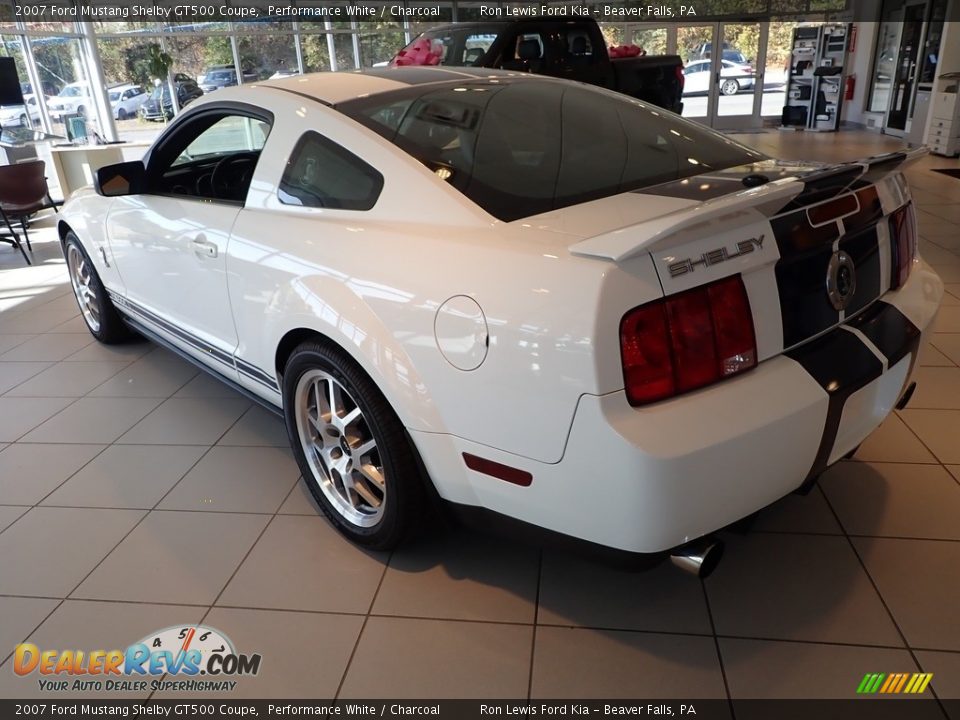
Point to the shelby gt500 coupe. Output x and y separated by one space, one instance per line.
530 297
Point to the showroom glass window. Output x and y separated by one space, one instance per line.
322 174
518 148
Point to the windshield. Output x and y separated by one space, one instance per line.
114 96
71 91
519 147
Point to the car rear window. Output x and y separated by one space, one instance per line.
520 147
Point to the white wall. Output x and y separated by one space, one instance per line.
950 44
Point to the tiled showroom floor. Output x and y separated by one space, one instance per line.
136 494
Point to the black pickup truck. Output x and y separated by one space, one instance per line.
572 49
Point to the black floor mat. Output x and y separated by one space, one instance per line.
952 172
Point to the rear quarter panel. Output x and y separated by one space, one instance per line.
373 282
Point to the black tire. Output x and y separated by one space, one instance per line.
24 122
122 114
82 111
110 329
403 502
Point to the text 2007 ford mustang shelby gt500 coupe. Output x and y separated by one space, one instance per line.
541 299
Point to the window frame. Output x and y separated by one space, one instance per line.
161 151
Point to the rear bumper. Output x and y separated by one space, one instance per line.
645 480
155 114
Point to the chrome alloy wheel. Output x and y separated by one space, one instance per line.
81 278
340 448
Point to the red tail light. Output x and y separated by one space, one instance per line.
687 341
903 244
681 78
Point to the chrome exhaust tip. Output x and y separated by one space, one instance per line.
699 558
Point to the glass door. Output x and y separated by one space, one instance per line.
739 75
695 46
724 71
904 71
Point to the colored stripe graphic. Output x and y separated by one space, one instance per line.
894 683
901 682
891 680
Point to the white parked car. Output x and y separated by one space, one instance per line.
73 99
734 77
126 100
16 115
532 298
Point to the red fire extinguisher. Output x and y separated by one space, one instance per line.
850 87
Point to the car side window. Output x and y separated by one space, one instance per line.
475 47
211 158
322 174
227 136
578 44
523 52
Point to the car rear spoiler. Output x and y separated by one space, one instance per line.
773 198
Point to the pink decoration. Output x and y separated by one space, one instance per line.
623 51
420 52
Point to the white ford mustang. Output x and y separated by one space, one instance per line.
531 298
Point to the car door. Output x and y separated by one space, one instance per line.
170 242
697 77
127 97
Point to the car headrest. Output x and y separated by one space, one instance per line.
529 50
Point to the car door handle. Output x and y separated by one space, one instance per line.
204 248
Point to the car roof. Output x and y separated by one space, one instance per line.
336 87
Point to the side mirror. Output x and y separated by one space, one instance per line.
126 178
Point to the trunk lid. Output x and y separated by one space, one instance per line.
782 235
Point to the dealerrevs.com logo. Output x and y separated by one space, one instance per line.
183 653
